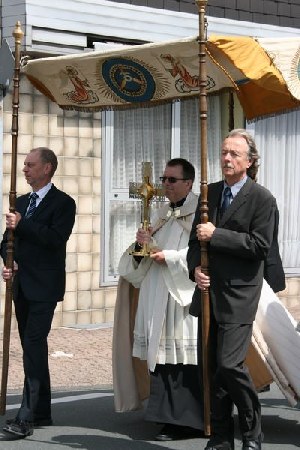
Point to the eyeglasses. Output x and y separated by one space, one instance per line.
171 180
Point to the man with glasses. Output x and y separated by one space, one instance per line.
165 335
240 233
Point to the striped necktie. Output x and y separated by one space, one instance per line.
32 205
226 200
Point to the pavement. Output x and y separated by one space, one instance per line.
79 357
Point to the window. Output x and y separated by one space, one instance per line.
153 134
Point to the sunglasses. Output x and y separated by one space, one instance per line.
171 180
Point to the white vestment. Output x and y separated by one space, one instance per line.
164 331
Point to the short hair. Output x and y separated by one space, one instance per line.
188 170
47 156
252 151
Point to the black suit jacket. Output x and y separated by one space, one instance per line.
40 246
237 251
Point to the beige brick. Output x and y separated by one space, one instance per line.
69 318
110 297
72 244
57 145
40 141
70 185
70 302
109 315
40 104
96 204
96 224
97 186
26 105
85 184
70 126
85 204
84 224
84 300
40 125
97 167
71 262
98 299
96 257
86 147
96 278
84 262
57 321
71 167
55 126
84 281
70 146
84 317
84 243
97 316
85 128
25 124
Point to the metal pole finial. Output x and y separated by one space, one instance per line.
18 33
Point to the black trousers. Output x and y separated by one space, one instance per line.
232 383
34 323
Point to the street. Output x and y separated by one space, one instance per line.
86 420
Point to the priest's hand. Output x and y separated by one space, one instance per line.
205 231
202 280
158 256
143 236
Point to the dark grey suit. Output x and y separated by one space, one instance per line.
237 251
40 252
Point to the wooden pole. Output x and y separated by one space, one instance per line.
18 35
204 209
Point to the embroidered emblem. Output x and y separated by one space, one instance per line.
184 81
82 93
128 79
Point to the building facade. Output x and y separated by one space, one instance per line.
100 153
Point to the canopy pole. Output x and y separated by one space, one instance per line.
18 35
202 39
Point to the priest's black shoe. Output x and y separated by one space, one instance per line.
213 445
171 432
252 444
18 428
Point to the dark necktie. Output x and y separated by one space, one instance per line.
226 200
32 205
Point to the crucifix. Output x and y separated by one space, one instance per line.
146 191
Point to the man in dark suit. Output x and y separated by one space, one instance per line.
239 235
42 225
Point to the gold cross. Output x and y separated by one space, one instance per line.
146 191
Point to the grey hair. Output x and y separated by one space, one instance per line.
252 151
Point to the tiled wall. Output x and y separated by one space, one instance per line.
76 139
284 13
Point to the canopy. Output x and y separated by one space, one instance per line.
264 73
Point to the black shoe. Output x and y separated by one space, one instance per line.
171 432
213 445
37 422
18 428
254 444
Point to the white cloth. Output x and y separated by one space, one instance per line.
164 331
282 350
